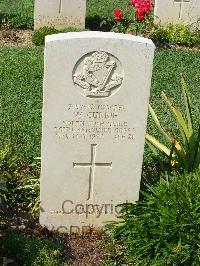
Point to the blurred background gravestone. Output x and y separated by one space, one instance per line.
60 14
177 12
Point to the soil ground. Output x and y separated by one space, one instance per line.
80 250
15 36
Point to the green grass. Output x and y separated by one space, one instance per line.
20 12
21 71
104 7
30 251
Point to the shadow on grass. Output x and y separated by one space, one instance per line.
151 174
32 250
25 242
97 23
3 18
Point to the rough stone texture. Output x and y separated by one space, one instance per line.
177 11
59 14
96 94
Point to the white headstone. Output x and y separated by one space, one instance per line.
96 94
59 14
177 11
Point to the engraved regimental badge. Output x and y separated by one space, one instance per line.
98 74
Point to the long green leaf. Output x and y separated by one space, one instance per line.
168 136
158 144
197 151
154 150
181 122
188 104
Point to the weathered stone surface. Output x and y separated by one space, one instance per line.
59 14
177 11
96 93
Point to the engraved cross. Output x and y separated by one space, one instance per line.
92 166
181 2
60 6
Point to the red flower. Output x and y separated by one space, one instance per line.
118 14
143 7
134 2
140 16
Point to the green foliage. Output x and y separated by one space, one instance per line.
8 164
19 184
176 34
18 13
26 191
30 251
164 227
3 190
21 21
8 160
38 36
184 154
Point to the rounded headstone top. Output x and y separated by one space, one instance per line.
97 34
